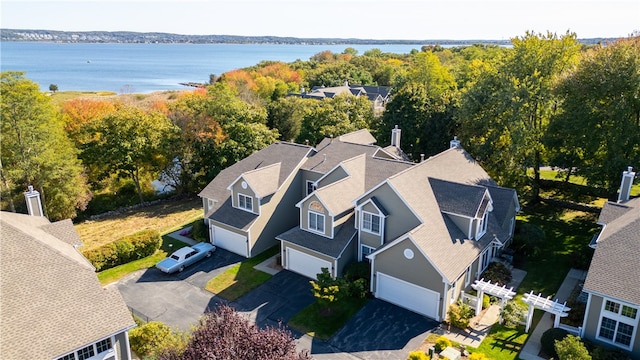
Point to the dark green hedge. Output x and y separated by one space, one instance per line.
127 249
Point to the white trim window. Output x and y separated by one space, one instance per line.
482 225
245 202
618 324
316 222
364 251
467 278
311 187
486 256
371 223
88 352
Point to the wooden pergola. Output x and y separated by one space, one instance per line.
546 304
495 289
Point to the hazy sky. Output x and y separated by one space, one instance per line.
373 19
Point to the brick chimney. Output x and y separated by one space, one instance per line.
395 137
34 204
625 185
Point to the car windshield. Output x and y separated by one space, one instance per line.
175 257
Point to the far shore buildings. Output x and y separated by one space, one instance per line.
427 229
52 305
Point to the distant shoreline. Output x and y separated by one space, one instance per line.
55 36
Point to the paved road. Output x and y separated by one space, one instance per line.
378 331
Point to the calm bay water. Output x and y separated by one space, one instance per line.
144 68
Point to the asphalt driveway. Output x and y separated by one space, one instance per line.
378 331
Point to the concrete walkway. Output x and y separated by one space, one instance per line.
531 348
481 325
176 235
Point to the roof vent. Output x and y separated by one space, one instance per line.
455 143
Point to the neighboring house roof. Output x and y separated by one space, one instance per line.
52 302
330 247
371 92
614 269
288 155
362 136
339 195
437 236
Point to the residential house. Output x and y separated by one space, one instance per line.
427 229
613 281
52 304
378 95
252 201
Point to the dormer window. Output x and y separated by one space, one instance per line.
311 187
371 223
316 222
482 227
245 202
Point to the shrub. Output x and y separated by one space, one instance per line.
497 273
356 278
127 249
418 355
513 313
486 301
548 341
602 353
200 231
442 343
571 348
478 356
151 338
460 315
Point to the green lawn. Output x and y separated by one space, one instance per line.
316 321
502 343
241 278
169 245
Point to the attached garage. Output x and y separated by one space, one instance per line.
229 240
409 296
305 264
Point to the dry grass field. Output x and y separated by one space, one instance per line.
164 217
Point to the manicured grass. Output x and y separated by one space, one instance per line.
315 321
169 245
241 278
502 343
567 234
164 217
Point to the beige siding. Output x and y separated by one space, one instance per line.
400 220
226 227
304 211
461 222
333 176
237 189
277 215
418 270
593 318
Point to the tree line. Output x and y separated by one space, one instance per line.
546 100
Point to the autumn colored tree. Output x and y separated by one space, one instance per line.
36 151
130 143
77 113
226 334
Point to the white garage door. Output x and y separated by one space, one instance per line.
407 295
231 241
305 264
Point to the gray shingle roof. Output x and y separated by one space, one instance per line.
52 302
437 236
456 198
331 247
362 136
615 269
289 155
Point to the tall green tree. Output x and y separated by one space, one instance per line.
36 151
504 114
132 144
422 107
597 132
